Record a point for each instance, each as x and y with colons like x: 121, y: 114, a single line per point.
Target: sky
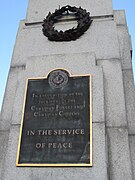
x: 12, y: 11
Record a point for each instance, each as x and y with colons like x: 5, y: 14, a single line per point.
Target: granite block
x: 101, y: 39
x: 10, y: 93
x: 119, y: 154
x: 130, y: 99
x: 38, y: 10
x: 114, y: 93
x: 132, y: 151
x: 125, y: 47
x: 3, y: 148
x: 120, y: 17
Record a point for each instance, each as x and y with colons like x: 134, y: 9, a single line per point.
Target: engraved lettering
x: 38, y: 145
x: 82, y: 131
x: 32, y: 108
x: 49, y: 132
x: 35, y: 114
x: 49, y: 145
x: 69, y: 131
x: 60, y: 146
x: 54, y: 145
x: 57, y: 107
x: 30, y: 132
x: 61, y: 113
x: 55, y: 132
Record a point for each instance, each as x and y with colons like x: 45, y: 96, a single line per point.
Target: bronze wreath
x: 83, y: 20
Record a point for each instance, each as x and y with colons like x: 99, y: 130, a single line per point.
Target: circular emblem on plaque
x: 80, y: 15
x: 58, y: 78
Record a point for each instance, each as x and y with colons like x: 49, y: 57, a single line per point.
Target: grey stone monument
x: 104, y: 52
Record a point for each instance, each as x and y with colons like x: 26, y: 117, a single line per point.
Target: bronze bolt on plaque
x: 56, y: 128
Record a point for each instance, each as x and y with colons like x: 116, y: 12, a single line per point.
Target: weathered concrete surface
x: 38, y: 9
x: 101, y: 38
x: 99, y: 161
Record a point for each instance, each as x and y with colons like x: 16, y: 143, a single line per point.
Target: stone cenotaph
x: 69, y: 105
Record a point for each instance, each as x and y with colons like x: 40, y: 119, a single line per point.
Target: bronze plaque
x: 56, y: 128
